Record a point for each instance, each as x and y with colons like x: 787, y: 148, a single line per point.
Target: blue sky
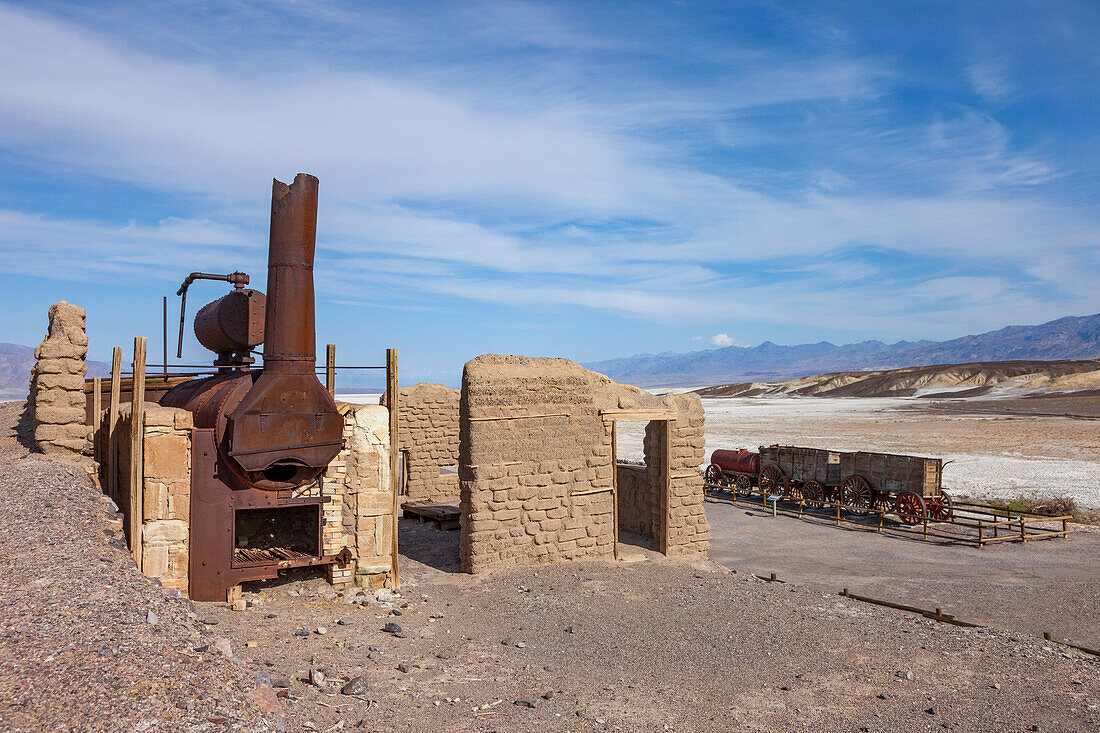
x: 586, y: 180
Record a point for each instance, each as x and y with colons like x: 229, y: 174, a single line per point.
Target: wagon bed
x: 889, y: 473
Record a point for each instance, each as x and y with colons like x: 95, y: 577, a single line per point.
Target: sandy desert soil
x: 996, y: 456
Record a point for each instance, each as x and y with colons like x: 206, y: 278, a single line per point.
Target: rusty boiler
x: 263, y: 436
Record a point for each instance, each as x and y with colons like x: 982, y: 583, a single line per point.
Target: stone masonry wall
x: 165, y: 478
x: 166, y: 498
x: 360, y: 518
x: 535, y: 463
x: 57, y: 402
x: 428, y: 429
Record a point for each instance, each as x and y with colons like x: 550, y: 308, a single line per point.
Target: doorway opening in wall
x: 641, y: 485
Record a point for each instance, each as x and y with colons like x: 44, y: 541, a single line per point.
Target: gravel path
x: 87, y: 643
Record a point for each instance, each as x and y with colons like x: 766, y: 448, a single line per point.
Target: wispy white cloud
x: 544, y: 183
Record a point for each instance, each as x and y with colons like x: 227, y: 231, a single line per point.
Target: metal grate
x: 272, y: 554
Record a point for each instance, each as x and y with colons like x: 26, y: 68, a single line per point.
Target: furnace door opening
x: 271, y: 535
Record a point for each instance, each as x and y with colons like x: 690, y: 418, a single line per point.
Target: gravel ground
x: 649, y: 645
x: 88, y: 643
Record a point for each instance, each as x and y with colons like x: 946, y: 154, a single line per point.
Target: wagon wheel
x: 883, y: 502
x: 771, y: 480
x: 792, y: 492
x: 713, y: 475
x: 744, y: 484
x: 855, y: 495
x: 813, y: 494
x: 910, y: 508
x: 940, y: 509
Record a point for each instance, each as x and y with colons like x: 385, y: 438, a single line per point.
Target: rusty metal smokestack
x: 290, y: 332
x: 286, y: 429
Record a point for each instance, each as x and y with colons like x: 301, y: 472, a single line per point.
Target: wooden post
x: 164, y: 324
x: 137, y: 424
x: 330, y: 369
x: 667, y: 488
x: 395, y: 445
x: 614, y: 489
x: 112, y: 424
x: 97, y: 422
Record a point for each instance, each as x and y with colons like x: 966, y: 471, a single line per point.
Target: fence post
x: 112, y: 425
x: 395, y: 445
x: 97, y: 423
x: 614, y: 488
x: 330, y: 369
x: 137, y: 436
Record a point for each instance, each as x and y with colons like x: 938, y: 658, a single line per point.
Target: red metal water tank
x: 737, y: 461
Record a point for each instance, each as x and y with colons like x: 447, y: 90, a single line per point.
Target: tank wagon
x: 860, y: 482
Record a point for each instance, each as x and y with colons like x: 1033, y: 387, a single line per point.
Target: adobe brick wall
x: 427, y: 426
x: 56, y: 404
x: 535, y: 467
x: 688, y: 530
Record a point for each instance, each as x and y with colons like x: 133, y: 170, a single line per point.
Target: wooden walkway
x: 445, y: 516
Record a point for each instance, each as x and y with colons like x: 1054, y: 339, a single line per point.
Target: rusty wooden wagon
x: 860, y: 482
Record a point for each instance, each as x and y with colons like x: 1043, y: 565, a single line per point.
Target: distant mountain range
x: 1074, y: 337
x: 15, y: 370
x: 976, y: 379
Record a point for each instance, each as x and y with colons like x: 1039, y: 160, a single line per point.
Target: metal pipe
x: 289, y: 321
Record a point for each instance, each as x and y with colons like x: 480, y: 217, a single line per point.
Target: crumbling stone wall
x: 166, y: 497
x: 57, y: 402
x: 535, y: 466
x: 360, y: 517
x: 427, y: 426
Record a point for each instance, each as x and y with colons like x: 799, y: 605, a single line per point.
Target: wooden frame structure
x: 611, y: 418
